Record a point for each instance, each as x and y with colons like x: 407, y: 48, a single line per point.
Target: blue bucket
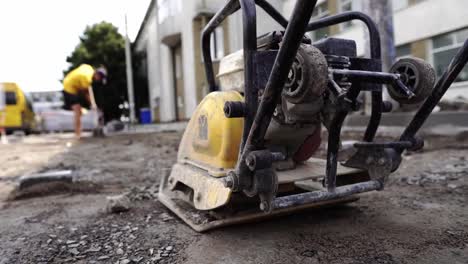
x: 145, y: 116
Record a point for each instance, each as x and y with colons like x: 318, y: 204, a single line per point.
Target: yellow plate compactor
x: 247, y: 151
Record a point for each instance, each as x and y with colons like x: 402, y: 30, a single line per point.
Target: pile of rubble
x: 144, y: 192
x: 121, y: 243
x: 449, y: 175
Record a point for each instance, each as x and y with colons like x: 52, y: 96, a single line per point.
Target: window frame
x: 11, y: 100
x: 409, y: 55
x: 453, y: 45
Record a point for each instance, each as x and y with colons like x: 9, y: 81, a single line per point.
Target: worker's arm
x: 92, y: 99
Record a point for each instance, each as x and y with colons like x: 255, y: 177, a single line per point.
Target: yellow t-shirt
x: 79, y: 79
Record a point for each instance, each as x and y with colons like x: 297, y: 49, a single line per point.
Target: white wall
x: 357, y: 33
x: 167, y: 85
x: 152, y: 53
x: 288, y: 6
x: 141, y: 44
x: 188, y: 61
x: 235, y: 27
x: 265, y: 23
x: 429, y: 18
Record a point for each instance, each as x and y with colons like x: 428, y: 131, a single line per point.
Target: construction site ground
x: 420, y: 216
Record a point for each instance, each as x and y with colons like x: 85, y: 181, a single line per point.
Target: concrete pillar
x: 167, y: 85
x: 419, y: 49
x: 235, y: 31
x: 382, y: 13
x: 153, y: 67
x: 188, y: 68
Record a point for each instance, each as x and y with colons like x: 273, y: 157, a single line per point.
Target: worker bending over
x: 78, y: 91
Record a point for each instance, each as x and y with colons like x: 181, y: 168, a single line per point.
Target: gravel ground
x: 420, y: 217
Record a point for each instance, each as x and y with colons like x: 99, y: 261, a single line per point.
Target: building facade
x: 170, y: 66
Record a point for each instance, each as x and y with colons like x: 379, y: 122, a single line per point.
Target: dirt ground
x: 420, y: 217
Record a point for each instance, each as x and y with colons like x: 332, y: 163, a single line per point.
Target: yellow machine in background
x: 17, y: 113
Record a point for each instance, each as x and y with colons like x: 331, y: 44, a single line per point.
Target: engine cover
x: 211, y: 140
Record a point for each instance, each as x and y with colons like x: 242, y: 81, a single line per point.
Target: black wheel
x: 308, y: 75
x: 417, y: 75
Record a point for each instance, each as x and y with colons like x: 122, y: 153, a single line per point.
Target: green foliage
x: 102, y: 44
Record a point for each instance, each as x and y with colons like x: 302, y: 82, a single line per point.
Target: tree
x: 102, y: 44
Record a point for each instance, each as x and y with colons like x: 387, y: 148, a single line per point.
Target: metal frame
x: 257, y: 115
x: 376, y: 112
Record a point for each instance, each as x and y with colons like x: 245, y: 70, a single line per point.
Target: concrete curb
x: 456, y: 119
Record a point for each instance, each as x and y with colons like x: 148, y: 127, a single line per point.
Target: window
x: 320, y: 11
x: 444, y: 48
x: 49, y: 98
x: 10, y: 98
x: 217, y: 43
x: 167, y: 8
x: 403, y: 51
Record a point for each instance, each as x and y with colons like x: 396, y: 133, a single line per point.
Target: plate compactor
x: 246, y: 152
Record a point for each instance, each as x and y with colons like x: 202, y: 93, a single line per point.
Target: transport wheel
x: 417, y: 75
x: 308, y: 75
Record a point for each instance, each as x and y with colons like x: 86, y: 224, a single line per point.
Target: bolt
x: 264, y: 206
x: 198, y: 197
x: 381, y: 161
x: 250, y: 162
x: 171, y: 180
x: 228, y: 182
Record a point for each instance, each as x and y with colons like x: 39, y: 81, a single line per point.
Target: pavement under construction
x: 420, y: 217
